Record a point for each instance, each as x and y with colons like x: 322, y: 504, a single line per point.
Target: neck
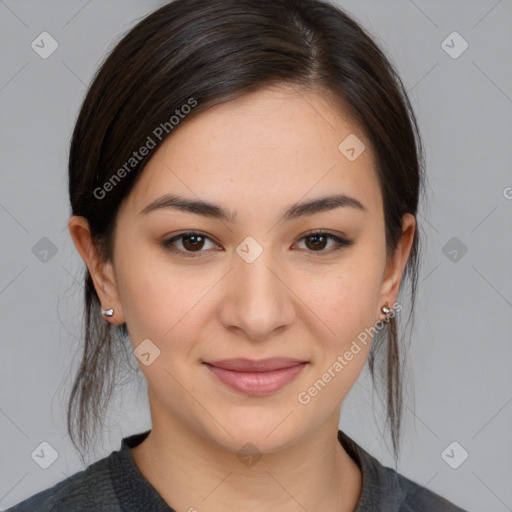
x: 190, y: 472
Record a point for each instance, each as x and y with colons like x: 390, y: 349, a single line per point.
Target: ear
x: 102, y: 271
x: 396, y: 263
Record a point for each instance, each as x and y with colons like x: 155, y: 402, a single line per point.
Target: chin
x: 267, y: 432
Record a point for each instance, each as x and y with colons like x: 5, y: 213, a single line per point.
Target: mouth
x: 256, y: 377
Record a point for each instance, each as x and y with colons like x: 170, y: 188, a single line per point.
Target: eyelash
x: 168, y: 244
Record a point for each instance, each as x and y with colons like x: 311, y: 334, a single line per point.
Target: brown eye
x: 317, y: 242
x: 191, y: 243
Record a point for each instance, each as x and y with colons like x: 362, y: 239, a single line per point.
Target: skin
x: 256, y: 156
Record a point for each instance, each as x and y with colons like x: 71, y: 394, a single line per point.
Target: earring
x: 107, y: 312
x: 387, y: 311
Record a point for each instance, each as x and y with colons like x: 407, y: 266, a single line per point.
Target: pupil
x: 316, y: 238
x: 193, y: 244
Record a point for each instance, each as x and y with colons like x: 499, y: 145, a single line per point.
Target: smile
x: 256, y: 378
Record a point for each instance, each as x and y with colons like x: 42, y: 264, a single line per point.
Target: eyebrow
x: 321, y: 204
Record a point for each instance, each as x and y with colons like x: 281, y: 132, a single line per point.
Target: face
x: 269, y: 280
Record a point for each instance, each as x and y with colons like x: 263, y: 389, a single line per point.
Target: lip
x: 256, y: 377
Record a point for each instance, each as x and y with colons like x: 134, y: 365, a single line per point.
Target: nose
x: 258, y: 300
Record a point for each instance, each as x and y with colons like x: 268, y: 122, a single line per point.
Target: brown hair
x: 214, y: 51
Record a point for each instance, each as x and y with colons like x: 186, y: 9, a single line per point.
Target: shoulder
x: 402, y: 494
x: 89, y: 489
x: 385, y: 489
x: 421, y: 499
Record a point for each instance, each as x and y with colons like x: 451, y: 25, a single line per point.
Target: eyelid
x: 168, y: 243
x: 340, y: 240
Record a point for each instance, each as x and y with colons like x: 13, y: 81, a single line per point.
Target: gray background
x: 460, y: 355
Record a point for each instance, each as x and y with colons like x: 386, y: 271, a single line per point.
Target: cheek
x: 347, y: 303
x: 345, y: 298
x: 159, y: 302
x: 162, y: 303
x: 148, y: 296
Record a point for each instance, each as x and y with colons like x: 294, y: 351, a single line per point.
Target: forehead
x: 273, y: 146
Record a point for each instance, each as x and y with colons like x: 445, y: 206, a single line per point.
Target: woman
x: 244, y: 180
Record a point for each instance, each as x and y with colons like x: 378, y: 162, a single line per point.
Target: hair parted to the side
x: 215, y: 51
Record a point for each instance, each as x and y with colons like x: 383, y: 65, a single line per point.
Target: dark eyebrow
x: 322, y: 204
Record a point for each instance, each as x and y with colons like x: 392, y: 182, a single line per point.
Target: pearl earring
x: 387, y: 311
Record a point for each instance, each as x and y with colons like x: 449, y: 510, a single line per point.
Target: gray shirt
x: 115, y: 484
